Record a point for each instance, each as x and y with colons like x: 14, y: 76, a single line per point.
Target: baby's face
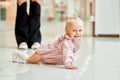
x: 74, y: 31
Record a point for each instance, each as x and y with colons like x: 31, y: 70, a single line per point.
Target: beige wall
x: 10, y: 7
x: 11, y: 13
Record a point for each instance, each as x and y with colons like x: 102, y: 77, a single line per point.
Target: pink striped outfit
x: 60, y: 51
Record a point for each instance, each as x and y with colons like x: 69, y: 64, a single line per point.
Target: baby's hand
x: 72, y: 67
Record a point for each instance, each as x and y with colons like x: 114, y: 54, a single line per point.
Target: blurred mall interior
x: 99, y: 56
x: 51, y: 12
x: 96, y: 18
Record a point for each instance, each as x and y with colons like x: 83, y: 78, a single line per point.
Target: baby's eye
x: 74, y: 30
x: 80, y: 30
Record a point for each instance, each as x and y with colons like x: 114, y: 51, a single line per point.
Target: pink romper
x: 60, y: 51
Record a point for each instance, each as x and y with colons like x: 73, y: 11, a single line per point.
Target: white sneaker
x: 19, y: 56
x: 23, y: 45
x: 35, y: 45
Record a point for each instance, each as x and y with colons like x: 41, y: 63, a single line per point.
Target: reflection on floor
x: 98, y: 59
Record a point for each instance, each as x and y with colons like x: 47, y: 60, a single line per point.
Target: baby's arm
x: 71, y: 66
x: 68, y: 56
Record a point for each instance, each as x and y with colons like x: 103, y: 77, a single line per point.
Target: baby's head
x: 74, y: 27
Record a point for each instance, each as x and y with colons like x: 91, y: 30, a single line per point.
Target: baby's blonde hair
x: 73, y: 20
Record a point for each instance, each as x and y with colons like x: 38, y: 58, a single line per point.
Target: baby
x: 61, y: 50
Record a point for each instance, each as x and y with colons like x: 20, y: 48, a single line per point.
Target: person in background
x: 60, y: 51
x: 27, y: 25
x: 62, y: 10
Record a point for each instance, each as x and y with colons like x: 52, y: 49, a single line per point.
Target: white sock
x: 22, y: 54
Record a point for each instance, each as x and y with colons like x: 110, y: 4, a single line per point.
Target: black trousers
x: 27, y: 26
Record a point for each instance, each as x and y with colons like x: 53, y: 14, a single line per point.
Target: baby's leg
x: 34, y: 58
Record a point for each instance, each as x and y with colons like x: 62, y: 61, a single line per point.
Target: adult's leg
x: 34, y: 22
x: 38, y: 1
x: 21, y: 26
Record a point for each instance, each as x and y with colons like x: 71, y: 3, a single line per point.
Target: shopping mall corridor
x: 97, y: 59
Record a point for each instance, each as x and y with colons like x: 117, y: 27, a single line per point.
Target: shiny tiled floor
x: 98, y: 59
